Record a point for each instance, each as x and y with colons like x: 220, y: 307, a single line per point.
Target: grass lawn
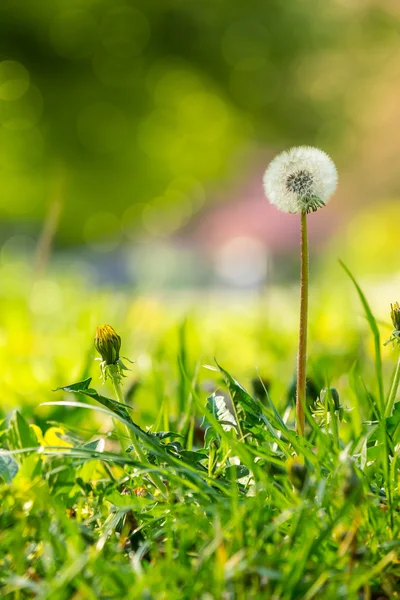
x: 196, y: 484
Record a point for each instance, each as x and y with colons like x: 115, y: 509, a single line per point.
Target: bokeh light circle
x: 117, y: 71
x: 242, y: 261
x: 125, y: 32
x: 22, y: 190
x: 46, y: 297
x: 102, y: 232
x: 14, y: 80
x: 102, y: 127
x: 74, y: 34
x: 244, y: 45
x: 24, y: 112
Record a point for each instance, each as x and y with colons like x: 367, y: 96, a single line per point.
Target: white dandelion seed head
x: 301, y: 179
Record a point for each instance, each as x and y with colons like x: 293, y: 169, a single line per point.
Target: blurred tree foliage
x: 132, y: 109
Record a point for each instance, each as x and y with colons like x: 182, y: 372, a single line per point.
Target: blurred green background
x: 133, y: 139
x: 138, y: 116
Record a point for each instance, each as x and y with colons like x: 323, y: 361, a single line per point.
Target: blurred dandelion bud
x: 394, y: 337
x: 395, y: 316
x: 297, y: 472
x: 261, y: 387
x: 301, y: 179
x: 351, y: 483
x: 330, y: 394
x: 108, y: 344
x: 328, y: 406
x: 312, y: 392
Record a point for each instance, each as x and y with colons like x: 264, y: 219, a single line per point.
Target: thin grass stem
x: 393, y: 391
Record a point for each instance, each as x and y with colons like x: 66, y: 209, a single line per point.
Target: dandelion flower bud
x: 108, y: 344
x: 330, y: 394
x: 297, y: 472
x: 395, y: 314
x: 301, y: 179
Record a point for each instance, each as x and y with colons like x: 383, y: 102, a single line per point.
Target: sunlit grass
x: 245, y: 508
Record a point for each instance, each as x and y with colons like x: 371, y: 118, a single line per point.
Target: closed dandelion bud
x: 352, y: 484
x: 312, y: 392
x: 297, y: 472
x: 108, y: 344
x: 395, y: 314
x: 260, y: 388
x: 394, y: 337
x: 330, y: 394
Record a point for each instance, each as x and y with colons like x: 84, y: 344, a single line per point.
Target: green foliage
x: 8, y: 467
x: 19, y: 433
x: 377, y: 340
x: 216, y: 405
x: 163, y: 97
x: 83, y: 387
x: 245, y: 508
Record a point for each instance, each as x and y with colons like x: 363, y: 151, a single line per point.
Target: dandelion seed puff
x: 301, y: 179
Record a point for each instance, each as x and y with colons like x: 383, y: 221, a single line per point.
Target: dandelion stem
x: 393, y: 391
x: 154, y: 478
x: 302, y: 353
x: 121, y: 399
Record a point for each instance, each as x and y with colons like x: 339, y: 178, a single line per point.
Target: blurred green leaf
x: 83, y: 387
x: 248, y: 410
x: 20, y: 434
x: 8, y: 466
x: 377, y: 341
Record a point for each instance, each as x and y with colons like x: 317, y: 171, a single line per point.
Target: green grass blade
x: 377, y: 340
